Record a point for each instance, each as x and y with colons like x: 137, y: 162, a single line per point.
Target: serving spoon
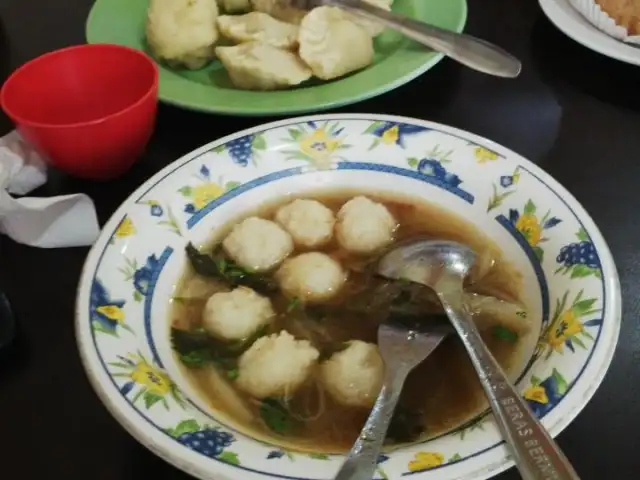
x: 473, y: 52
x: 443, y: 265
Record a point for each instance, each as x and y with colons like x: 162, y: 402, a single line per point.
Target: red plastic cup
x: 89, y: 110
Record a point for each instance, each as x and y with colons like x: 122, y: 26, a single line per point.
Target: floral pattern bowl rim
x: 132, y: 268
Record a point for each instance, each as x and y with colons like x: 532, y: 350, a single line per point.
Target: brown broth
x: 444, y: 388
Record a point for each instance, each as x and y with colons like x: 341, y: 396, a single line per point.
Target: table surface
x: 573, y: 112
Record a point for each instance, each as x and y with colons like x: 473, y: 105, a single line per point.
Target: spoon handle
x: 363, y: 459
x: 536, y: 454
x: 465, y: 49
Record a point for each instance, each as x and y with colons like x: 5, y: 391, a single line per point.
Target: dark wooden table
x: 572, y: 111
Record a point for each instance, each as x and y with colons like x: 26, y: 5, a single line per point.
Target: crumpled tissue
x: 63, y: 221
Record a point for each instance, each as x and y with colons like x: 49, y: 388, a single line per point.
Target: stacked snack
x: 273, y: 45
x: 618, y: 18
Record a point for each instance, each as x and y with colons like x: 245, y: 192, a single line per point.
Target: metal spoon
x: 473, y: 52
x: 403, y: 347
x: 443, y: 265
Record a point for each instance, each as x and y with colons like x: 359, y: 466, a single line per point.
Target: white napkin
x: 64, y: 221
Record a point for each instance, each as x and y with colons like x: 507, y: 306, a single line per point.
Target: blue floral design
x: 433, y: 168
x: 275, y: 454
x: 190, y: 208
x: 393, y: 132
x: 126, y: 388
x: 99, y: 299
x: 335, y: 132
x: 317, y: 143
x: 532, y: 227
x: 544, y: 395
x: 244, y: 150
x: 208, y: 441
x: 506, y: 181
x: 156, y: 209
x: 579, y: 259
x: 205, y: 191
x: 547, y: 223
x: 143, y: 276
x: 241, y: 150
x: 163, y: 215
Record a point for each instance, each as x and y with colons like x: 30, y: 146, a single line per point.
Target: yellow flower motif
x: 566, y: 326
x: 528, y: 225
x: 155, y: 381
x: 390, y: 136
x: 425, y: 461
x: 484, y: 155
x: 202, y: 195
x: 536, y: 394
x: 318, y: 145
x: 572, y: 323
x: 126, y: 228
x: 112, y: 312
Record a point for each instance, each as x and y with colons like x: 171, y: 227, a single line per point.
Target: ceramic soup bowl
x: 123, y: 302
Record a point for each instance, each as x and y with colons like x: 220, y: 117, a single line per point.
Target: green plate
x: 398, y: 60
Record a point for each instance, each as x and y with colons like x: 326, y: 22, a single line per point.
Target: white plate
x: 568, y: 20
x: 124, y: 294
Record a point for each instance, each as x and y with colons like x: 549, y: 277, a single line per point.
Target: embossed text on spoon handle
x: 362, y: 460
x: 536, y: 454
x: 465, y: 49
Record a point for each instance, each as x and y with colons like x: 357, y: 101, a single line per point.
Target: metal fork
x: 473, y: 52
x: 403, y: 346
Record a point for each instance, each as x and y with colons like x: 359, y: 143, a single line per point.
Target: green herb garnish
x: 293, y: 304
x: 188, y: 300
x: 221, y: 268
x: 505, y: 334
x: 194, y: 348
x: 276, y: 416
x: 228, y: 365
x: 196, y: 358
x: 197, y: 349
